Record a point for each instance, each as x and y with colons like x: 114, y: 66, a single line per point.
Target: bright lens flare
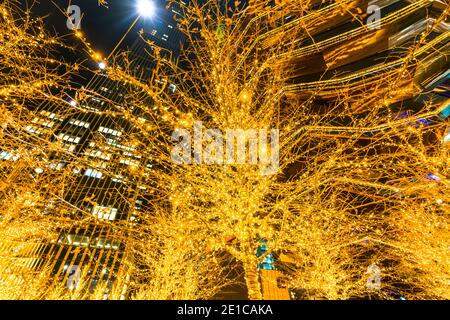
x: 146, y: 8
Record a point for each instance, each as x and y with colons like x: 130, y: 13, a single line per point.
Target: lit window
x: 93, y: 173
x: 33, y: 129
x: 76, y: 240
x: 69, y: 138
x: 118, y: 178
x: 104, y: 213
x: 48, y: 114
x: 86, y: 107
x: 69, y: 147
x: 129, y: 162
x: 112, y: 142
x: 57, y: 166
x: 43, y: 122
x: 79, y: 123
x: 110, y: 131
x: 98, y: 154
x: 115, y: 143
x: 107, y: 244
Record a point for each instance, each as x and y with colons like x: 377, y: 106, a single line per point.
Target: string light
x: 353, y: 188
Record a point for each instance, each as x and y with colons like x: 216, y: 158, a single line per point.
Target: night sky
x: 103, y: 27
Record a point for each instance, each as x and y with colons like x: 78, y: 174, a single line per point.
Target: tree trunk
x: 252, y: 280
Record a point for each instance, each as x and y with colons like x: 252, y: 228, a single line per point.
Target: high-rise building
x: 102, y: 184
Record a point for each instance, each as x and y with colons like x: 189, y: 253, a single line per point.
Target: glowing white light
x: 38, y: 170
x: 102, y: 65
x: 73, y: 103
x: 447, y: 136
x: 146, y: 8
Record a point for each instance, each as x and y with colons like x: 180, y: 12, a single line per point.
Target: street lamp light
x: 146, y: 8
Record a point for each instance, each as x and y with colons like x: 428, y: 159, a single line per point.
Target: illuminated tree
x: 29, y: 75
x: 172, y: 261
x: 355, y: 184
x: 332, y: 177
x: 416, y: 229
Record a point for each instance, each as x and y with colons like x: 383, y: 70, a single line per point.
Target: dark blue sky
x: 103, y: 27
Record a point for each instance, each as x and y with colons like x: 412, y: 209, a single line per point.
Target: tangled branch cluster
x: 358, y: 183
